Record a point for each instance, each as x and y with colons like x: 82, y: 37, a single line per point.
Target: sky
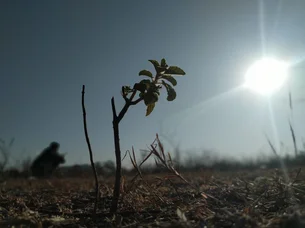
x: 49, y: 49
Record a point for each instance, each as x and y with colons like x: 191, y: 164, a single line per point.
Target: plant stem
x: 116, y: 135
x: 118, y: 172
x: 90, y: 152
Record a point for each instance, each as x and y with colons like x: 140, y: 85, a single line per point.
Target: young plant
x: 148, y: 91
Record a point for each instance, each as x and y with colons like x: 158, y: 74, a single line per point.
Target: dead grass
x: 257, y: 199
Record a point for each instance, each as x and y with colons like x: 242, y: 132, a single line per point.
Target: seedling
x: 148, y: 91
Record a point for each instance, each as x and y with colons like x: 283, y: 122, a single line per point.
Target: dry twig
x: 90, y: 152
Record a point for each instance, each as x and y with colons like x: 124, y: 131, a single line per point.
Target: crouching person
x: 48, y: 160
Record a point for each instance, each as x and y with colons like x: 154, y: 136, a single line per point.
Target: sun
x: 266, y: 76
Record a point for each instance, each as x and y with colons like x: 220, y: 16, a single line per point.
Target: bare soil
x: 262, y: 198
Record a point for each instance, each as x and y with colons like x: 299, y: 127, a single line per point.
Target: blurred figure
x: 49, y: 159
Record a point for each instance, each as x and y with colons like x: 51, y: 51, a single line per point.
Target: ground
x: 261, y: 198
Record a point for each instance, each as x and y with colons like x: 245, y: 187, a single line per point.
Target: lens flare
x: 266, y: 76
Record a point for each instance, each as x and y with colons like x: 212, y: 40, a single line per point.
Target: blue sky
x: 49, y: 49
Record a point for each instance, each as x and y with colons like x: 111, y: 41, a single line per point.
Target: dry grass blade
x: 136, y: 167
x: 155, y: 152
x: 293, y: 138
x: 132, y: 161
x: 156, y: 163
x: 290, y: 101
x: 161, y: 148
x: 170, y: 160
x: 290, y: 125
x: 167, y: 163
x: 145, y: 159
x: 125, y: 155
x: 134, y: 157
x: 271, y: 146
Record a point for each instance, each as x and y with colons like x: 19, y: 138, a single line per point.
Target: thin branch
x: 125, y: 108
x: 125, y: 97
x: 132, y: 95
x: 113, y: 108
x: 90, y: 152
x: 122, y: 112
x: 136, y: 101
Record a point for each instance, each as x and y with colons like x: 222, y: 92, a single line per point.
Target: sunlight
x: 266, y: 76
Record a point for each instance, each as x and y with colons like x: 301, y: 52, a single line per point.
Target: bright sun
x: 266, y: 76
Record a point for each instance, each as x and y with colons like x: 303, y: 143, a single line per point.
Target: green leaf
x: 154, y: 62
x: 155, y: 96
x: 147, y: 99
x: 156, y: 65
x: 146, y: 82
x: 150, y: 108
x: 170, y: 79
x: 174, y: 70
x: 150, y: 97
x: 153, y: 88
x: 161, y: 69
x: 145, y: 73
x: 171, y: 93
x: 163, y: 63
x: 126, y: 90
x: 140, y: 87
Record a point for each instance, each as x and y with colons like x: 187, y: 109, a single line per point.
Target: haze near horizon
x: 50, y: 49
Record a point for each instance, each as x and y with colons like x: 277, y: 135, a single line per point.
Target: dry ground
x: 261, y: 198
